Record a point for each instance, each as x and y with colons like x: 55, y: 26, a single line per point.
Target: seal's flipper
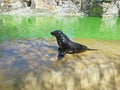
x: 61, y: 55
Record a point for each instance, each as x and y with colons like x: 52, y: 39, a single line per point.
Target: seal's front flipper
x: 61, y: 55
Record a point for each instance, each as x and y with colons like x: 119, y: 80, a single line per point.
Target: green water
x: 21, y: 27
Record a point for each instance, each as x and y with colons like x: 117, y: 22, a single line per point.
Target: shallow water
x: 28, y: 54
x: 21, y: 27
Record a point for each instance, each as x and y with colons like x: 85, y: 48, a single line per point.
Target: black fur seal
x: 66, y: 46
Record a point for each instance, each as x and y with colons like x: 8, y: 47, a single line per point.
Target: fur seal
x: 66, y: 46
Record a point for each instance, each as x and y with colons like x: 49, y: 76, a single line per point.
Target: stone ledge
x: 32, y: 64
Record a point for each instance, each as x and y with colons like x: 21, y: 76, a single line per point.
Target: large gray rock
x: 68, y: 8
x: 110, y: 9
x: 8, y: 5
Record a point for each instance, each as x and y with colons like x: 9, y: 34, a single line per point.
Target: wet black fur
x: 66, y: 46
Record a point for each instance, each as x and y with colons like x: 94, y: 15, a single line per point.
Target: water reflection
x: 40, y: 26
x: 109, y: 24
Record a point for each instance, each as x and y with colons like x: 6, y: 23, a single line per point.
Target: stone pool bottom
x: 33, y: 65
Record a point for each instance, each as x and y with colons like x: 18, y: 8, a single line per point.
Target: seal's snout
x: 55, y: 33
x: 51, y: 33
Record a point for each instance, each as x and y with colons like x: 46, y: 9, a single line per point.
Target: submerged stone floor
x: 33, y: 65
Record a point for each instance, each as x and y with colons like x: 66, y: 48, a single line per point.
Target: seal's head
x: 56, y: 33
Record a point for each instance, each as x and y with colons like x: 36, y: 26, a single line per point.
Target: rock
x: 50, y: 7
x: 118, y: 4
x: 65, y: 7
x: 32, y: 64
x: 110, y: 10
x: 8, y: 5
x: 16, y: 5
x: 68, y: 8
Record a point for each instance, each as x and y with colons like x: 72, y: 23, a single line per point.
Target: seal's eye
x: 58, y: 33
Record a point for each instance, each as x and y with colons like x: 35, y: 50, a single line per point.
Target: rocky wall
x: 66, y: 7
